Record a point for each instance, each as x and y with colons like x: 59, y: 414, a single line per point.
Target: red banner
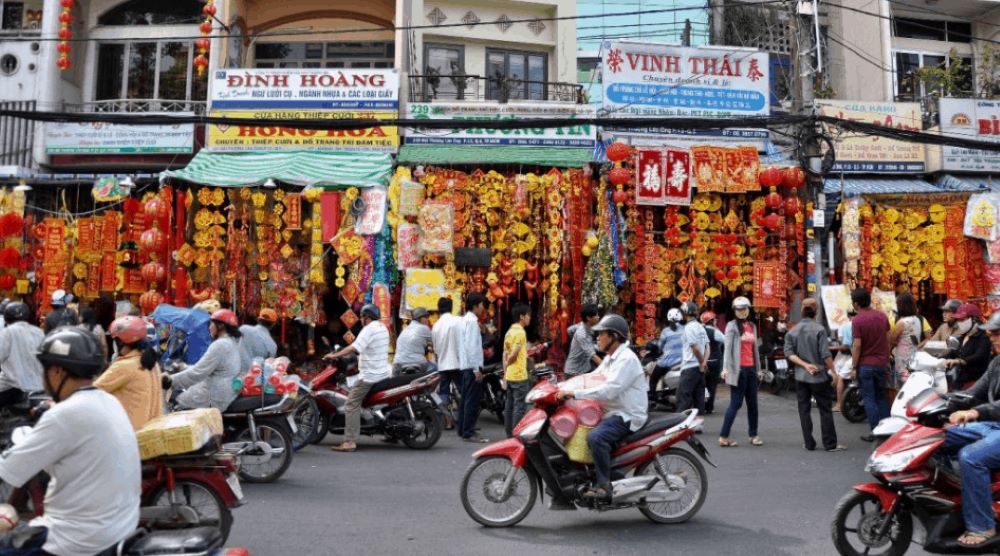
x: 649, y: 178
x: 769, y: 284
x: 134, y: 282
x: 678, y: 182
x: 112, y: 222
x: 733, y: 174
x: 93, y: 279
x: 293, y: 214
x: 109, y: 275
x: 751, y: 168
x: 330, y: 208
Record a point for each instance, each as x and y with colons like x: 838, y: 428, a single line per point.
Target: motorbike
x: 926, y: 372
x: 494, y: 397
x: 259, y: 429
x: 910, y: 483
x: 782, y: 378
x: 549, y: 452
x: 665, y: 395
x: 853, y: 406
x: 399, y: 408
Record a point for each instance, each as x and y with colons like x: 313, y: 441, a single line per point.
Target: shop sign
x: 970, y: 119
x: 104, y: 138
x: 860, y: 153
x: 305, y: 89
x: 642, y: 79
x: 583, y: 135
x: 663, y: 177
x: 263, y: 137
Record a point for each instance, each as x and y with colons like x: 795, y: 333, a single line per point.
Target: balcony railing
x: 17, y: 135
x: 429, y: 88
x: 140, y: 105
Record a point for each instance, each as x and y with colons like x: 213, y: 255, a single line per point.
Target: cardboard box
x: 179, y: 433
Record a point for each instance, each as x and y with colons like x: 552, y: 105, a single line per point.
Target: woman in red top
x: 741, y: 369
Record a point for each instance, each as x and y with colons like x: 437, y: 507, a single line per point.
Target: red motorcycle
x: 399, y: 408
x: 549, y: 450
x: 877, y: 518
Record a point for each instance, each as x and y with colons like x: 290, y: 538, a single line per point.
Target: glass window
x: 314, y: 50
x: 959, y: 31
x: 906, y: 67
x: 322, y: 54
x: 919, y: 29
x: 442, y: 63
x: 515, y: 75
x: 965, y: 80
x: 536, y: 74
x: 153, y: 12
x: 142, y: 70
x: 110, y: 69
x: 174, y: 70
x: 13, y: 15
x: 199, y: 86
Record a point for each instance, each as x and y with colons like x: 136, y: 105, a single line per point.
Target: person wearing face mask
x: 973, y: 356
x: 209, y: 382
x: 947, y: 328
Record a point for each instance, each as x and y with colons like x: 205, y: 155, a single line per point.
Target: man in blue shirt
x: 694, y: 361
x: 671, y: 348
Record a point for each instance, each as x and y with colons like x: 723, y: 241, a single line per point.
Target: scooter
x: 549, y: 451
x: 494, y: 397
x: 926, y: 372
x: 259, y: 429
x: 399, y: 408
x: 878, y: 516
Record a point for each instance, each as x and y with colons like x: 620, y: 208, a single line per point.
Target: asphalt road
x: 776, y: 499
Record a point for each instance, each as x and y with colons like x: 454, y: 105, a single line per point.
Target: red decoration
x: 11, y: 224
x: 769, y: 177
x: 720, y: 275
x: 617, y: 151
x: 153, y: 240
x: 206, y: 27
x: 68, y: 4
x: 200, y: 62
x: 208, y: 9
x: 66, y: 17
x: 772, y: 221
x: 620, y: 197
x: 733, y: 274
x: 10, y: 257
x: 149, y: 301
x: 63, y: 63
x: 619, y: 176
x: 773, y: 199
x: 65, y: 34
x: 202, y: 44
x: 64, y: 48
x: 792, y: 205
x: 7, y: 282
x: 793, y: 177
x: 154, y: 273
x: 156, y: 209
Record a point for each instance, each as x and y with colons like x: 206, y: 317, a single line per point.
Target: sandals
x: 756, y: 441
x: 976, y: 538
x: 726, y: 443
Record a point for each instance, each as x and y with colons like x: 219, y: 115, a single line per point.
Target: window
x: 374, y: 54
x: 153, y: 12
x: 515, y: 75
x: 148, y: 70
x: 13, y: 14
x: 932, y: 30
x: 444, y: 72
x: 910, y: 87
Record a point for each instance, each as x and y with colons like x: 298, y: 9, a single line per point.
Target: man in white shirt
x: 623, y: 393
x: 87, y: 445
x: 694, y: 361
x: 372, y: 347
x: 472, y: 367
x: 412, y: 343
x: 448, y: 348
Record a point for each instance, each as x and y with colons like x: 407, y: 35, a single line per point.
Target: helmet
x: 4, y: 304
x: 371, y: 311
x: 225, y: 316
x: 16, y: 311
x: 674, y: 315
x: 993, y: 324
x: 741, y: 303
x: 74, y: 349
x: 951, y: 306
x: 707, y: 317
x: 60, y: 298
x: 419, y: 313
x: 128, y: 329
x: 689, y: 308
x: 613, y: 323
x: 270, y: 315
x: 967, y: 310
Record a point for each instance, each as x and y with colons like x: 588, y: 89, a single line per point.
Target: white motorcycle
x: 926, y: 372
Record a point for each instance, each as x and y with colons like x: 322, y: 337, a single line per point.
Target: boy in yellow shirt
x: 515, y: 360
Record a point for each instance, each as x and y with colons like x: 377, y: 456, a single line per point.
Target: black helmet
x: 371, y: 311
x: 613, y: 323
x: 73, y: 349
x: 993, y: 324
x: 16, y: 311
x: 689, y: 308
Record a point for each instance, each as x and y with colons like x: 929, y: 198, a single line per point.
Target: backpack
x: 714, y: 346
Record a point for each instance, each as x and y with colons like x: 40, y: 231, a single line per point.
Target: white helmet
x: 60, y: 298
x: 674, y: 315
x: 741, y: 303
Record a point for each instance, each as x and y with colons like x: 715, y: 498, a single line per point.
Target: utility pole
x: 686, y: 36
x: 718, y: 35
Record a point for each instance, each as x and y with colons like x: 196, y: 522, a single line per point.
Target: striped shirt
x: 372, y: 344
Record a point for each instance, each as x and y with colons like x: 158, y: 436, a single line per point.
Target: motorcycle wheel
x: 431, y: 431
x: 482, y: 497
x: 205, y: 502
x: 307, y: 422
x: 277, y: 436
x: 323, y: 428
x: 682, y: 463
x: 777, y: 385
x: 853, y: 408
x: 863, y: 525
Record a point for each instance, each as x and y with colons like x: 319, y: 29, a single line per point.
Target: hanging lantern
x: 773, y: 199
x: 149, y: 301
x: 7, y: 282
x: 733, y: 274
x: 154, y: 273
x: 720, y: 275
x: 769, y: 177
x: 619, y: 176
x: 617, y: 151
x: 156, y: 209
x: 10, y: 257
x: 792, y: 205
x: 202, y: 45
x: 620, y: 197
x: 772, y: 221
x: 793, y: 177
x: 65, y: 33
x: 11, y: 224
x: 153, y: 240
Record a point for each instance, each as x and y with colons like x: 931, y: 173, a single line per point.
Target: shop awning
x: 559, y: 157
x: 318, y: 168
x: 852, y: 187
x: 949, y: 182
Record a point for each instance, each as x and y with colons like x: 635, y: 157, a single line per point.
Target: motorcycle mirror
x: 954, y: 343
x: 19, y: 434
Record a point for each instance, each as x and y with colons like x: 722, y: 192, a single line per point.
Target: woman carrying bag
x: 742, y: 371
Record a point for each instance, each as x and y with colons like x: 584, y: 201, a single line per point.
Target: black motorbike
x: 853, y: 406
x: 494, y: 397
x: 260, y: 429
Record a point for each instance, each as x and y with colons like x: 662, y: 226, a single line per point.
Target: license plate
x: 291, y: 424
x: 234, y: 484
x: 781, y: 364
x: 436, y: 398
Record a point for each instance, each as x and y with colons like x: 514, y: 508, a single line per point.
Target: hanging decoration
x: 65, y: 34
x: 203, y: 44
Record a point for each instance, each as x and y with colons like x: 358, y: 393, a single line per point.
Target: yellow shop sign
x: 265, y: 137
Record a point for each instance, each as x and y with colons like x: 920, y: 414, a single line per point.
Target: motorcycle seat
x: 654, y: 426
x: 192, y: 540
x: 244, y: 404
x: 395, y: 382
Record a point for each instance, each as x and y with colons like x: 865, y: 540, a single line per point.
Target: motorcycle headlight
x: 897, y: 461
x: 530, y: 432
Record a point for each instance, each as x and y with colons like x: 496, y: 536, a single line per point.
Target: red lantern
x: 65, y: 34
x: 793, y: 177
x: 205, y: 27
x: 10, y: 257
x: 208, y: 9
x: 769, y: 177
x: 149, y: 301
x: 63, y: 63
x: 153, y: 240
x: 66, y: 17
x: 64, y: 48
x: 773, y: 221
x: 620, y: 197
x: 154, y: 273
x: 732, y: 262
x: 733, y: 274
x: 619, y: 176
x: 719, y: 251
x: 202, y: 44
x: 773, y: 199
x: 11, y: 224
x: 200, y: 61
x: 720, y: 275
x: 68, y: 4
x: 760, y: 233
x: 7, y: 282
x: 731, y: 249
x: 617, y: 151
x: 156, y: 209
x: 792, y: 205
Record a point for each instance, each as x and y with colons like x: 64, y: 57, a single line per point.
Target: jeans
x: 516, y: 406
x: 978, y: 447
x: 602, y: 440
x: 352, y: 417
x: 824, y: 394
x: 711, y: 383
x: 871, y: 381
x: 691, y: 390
x: 24, y: 540
x: 746, y: 388
x: 468, y: 412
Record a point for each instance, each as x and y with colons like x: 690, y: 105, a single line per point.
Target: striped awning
x: 852, y: 187
x: 949, y: 182
x: 559, y: 157
x: 316, y: 168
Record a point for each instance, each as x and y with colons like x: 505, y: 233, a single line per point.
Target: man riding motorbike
x: 413, y: 343
x: 209, y: 382
x: 623, y: 393
x: 19, y: 340
x: 977, y: 443
x: 87, y: 446
x: 256, y: 341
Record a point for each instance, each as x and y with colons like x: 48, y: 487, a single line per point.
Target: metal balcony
x: 430, y: 88
x: 139, y: 106
x: 17, y: 135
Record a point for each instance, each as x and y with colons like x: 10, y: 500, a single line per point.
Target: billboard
x: 859, y: 153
